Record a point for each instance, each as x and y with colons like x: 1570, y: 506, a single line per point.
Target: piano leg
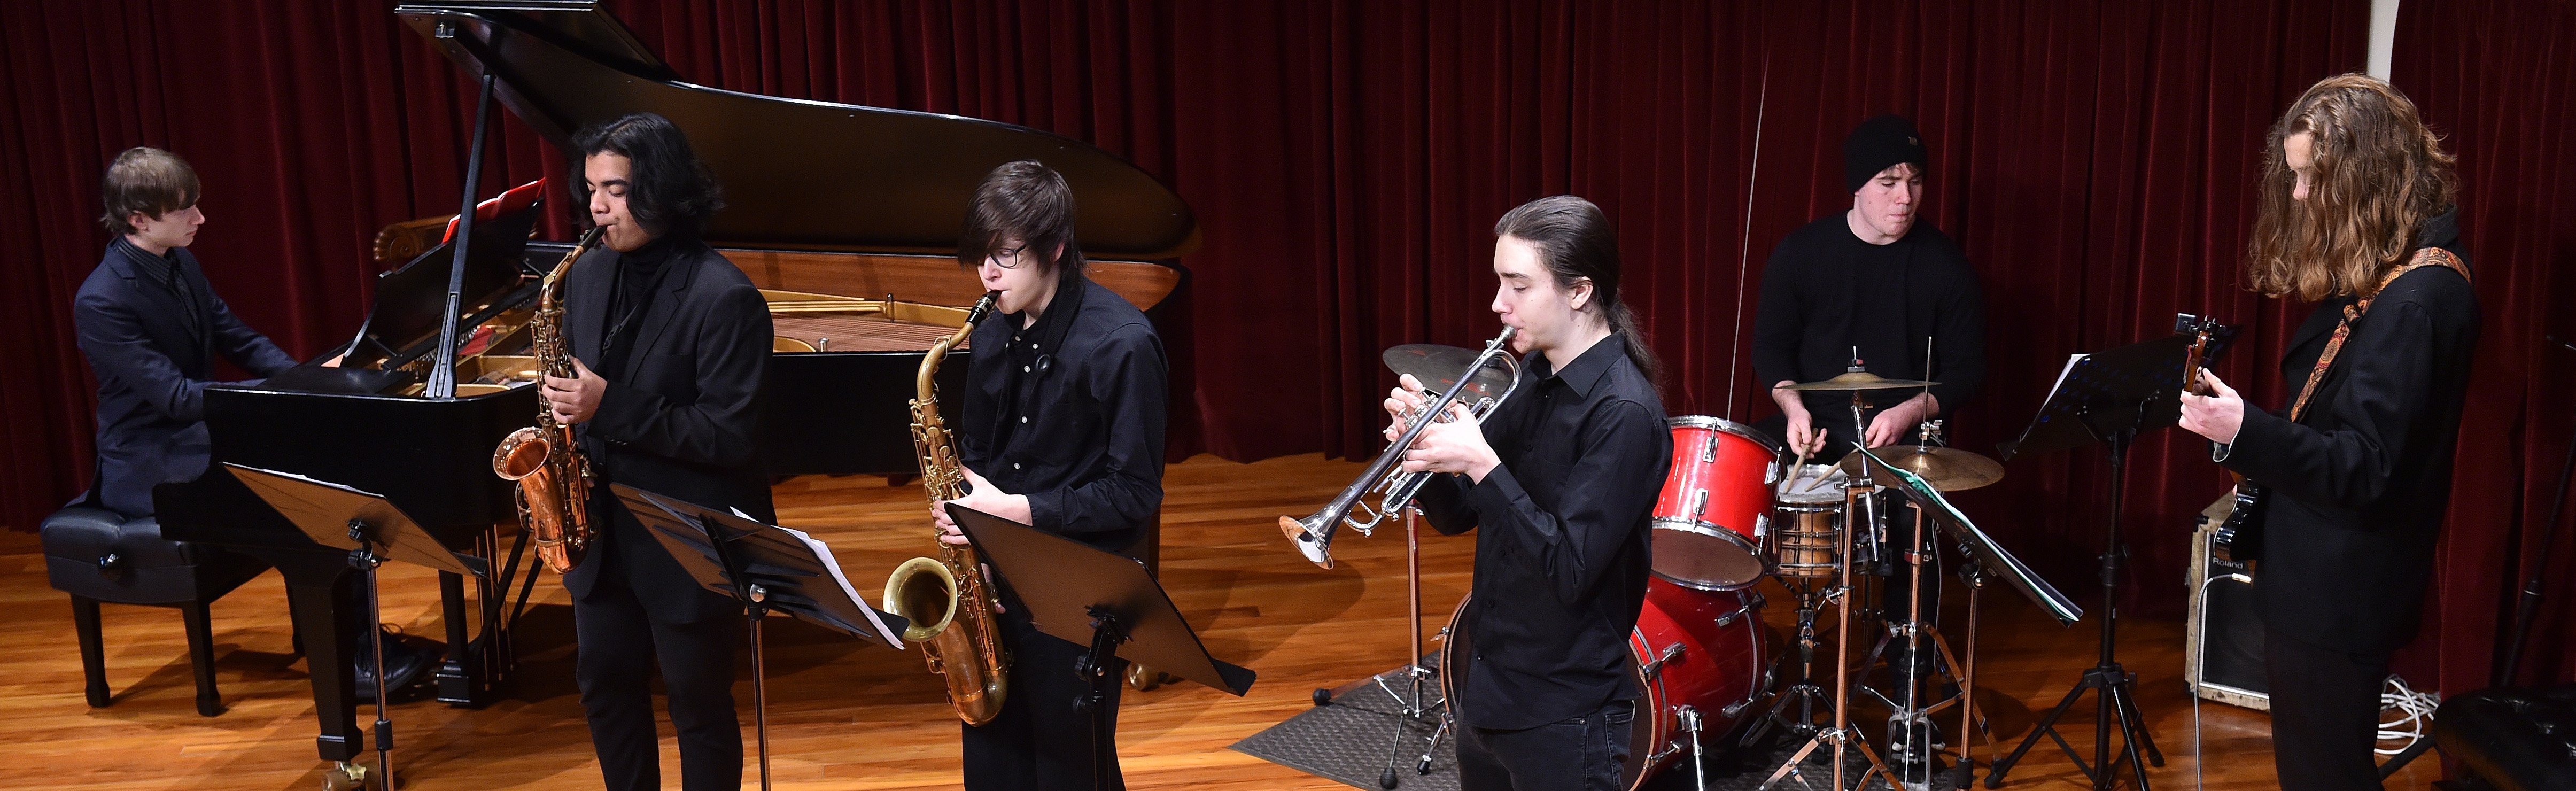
x: 322, y: 598
x: 478, y: 653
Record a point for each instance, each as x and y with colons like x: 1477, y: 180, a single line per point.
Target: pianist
x: 669, y: 342
x: 151, y: 327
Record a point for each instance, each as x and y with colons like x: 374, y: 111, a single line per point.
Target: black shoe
x: 408, y: 657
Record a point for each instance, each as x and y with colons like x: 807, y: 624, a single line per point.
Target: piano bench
x: 98, y: 556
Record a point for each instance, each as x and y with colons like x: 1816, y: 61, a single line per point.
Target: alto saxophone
x: 945, y: 598
x: 554, y: 477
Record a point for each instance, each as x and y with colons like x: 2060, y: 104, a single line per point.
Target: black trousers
x: 1040, y: 741
x: 620, y: 644
x: 2325, y: 714
x: 1582, y: 752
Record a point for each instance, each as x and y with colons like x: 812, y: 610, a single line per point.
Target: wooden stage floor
x: 846, y: 716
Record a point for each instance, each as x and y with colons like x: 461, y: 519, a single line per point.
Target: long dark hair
x: 2379, y: 173
x: 1575, y: 241
x: 668, y: 190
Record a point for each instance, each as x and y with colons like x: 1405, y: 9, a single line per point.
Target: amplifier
x: 2223, y: 655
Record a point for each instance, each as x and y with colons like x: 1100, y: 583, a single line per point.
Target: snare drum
x: 1715, y: 504
x: 1701, y: 649
x: 1807, y: 533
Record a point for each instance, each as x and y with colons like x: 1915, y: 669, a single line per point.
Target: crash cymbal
x: 1946, y: 469
x: 1438, y: 366
x: 1859, y: 380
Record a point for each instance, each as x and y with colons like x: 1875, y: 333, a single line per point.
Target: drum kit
x: 1735, y: 508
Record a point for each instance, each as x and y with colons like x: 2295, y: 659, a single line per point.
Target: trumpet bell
x: 1303, y: 533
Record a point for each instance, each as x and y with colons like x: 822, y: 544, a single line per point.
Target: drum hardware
x: 1910, y: 722
x: 1841, y: 737
x: 1670, y: 654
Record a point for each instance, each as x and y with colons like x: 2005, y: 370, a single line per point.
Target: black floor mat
x: 1348, y: 742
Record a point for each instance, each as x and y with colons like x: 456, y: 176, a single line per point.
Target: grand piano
x: 846, y: 216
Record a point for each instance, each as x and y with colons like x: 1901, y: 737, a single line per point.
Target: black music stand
x: 373, y: 531
x: 766, y: 567
x: 1100, y: 599
x: 2109, y: 397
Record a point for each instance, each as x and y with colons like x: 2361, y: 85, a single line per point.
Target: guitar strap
x: 2429, y: 256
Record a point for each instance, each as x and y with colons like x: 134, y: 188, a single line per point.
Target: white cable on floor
x: 2414, y: 715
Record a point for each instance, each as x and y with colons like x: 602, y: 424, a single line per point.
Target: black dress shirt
x: 1826, y: 291
x: 1069, y: 411
x: 1562, y: 557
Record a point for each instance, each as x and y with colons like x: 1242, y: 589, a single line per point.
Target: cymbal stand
x: 1410, y: 707
x: 1804, y: 694
x: 1841, y: 736
x: 1969, y: 717
x: 1920, y: 635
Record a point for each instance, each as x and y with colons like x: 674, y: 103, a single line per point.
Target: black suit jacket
x: 2360, y: 482
x: 152, y: 373
x: 677, y: 418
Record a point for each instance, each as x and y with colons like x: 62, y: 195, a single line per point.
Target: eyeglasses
x: 1006, y: 257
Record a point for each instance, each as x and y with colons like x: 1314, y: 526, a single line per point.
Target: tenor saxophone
x: 553, y: 476
x: 945, y: 598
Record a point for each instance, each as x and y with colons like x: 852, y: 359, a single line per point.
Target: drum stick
x: 1794, y: 470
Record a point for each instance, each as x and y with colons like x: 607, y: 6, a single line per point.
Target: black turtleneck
x: 639, y: 274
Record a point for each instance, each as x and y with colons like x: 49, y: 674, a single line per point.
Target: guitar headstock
x: 2208, y: 339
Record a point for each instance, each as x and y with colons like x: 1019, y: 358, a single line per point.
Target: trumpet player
x: 1560, y: 485
x: 669, y: 342
x: 1063, y: 431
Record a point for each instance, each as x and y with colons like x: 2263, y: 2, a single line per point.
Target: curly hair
x: 669, y: 190
x: 2377, y: 173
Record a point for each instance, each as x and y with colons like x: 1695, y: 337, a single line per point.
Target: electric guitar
x: 2240, y: 538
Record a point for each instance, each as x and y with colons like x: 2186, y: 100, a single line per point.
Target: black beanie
x: 1878, y: 144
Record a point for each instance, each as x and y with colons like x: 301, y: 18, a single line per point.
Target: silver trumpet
x: 1313, y: 535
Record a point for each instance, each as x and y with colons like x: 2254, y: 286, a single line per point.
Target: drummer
x: 1874, y: 279
x: 1872, y: 283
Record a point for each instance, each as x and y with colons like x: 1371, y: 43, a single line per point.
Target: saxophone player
x: 669, y: 342
x: 1062, y: 430
x: 1560, y: 493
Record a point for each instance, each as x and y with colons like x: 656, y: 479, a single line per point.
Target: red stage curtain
x: 1347, y: 161
x: 2498, y: 79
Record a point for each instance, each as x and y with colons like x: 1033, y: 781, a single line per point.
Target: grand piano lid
x: 797, y: 174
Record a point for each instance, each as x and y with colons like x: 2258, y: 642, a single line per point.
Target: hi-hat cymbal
x: 1859, y: 380
x: 1438, y: 366
x: 1946, y: 469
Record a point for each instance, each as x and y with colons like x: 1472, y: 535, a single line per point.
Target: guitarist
x: 2356, y: 216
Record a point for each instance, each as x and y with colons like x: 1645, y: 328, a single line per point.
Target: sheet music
x: 824, y: 551
x: 2071, y: 360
